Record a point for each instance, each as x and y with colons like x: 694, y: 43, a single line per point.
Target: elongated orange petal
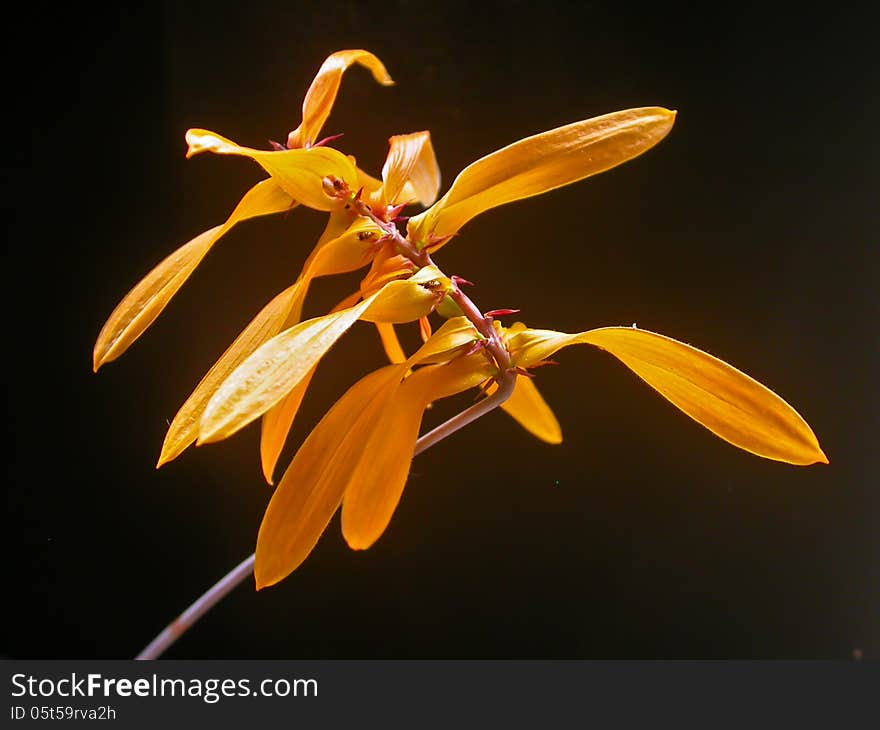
x: 726, y: 401
x: 322, y: 93
x: 411, y: 171
x: 185, y: 427
x: 312, y: 487
x: 540, y: 163
x: 300, y: 172
x: 390, y: 343
x: 140, y: 307
x: 276, y: 424
x: 274, y: 369
x: 376, y: 484
x: 528, y: 408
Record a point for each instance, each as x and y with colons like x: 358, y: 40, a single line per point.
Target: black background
x: 751, y: 231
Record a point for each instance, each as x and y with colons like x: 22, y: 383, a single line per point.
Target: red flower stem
x: 506, y: 379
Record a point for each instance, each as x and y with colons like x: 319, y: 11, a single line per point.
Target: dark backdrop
x: 751, y: 231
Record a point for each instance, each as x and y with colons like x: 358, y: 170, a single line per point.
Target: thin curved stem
x: 240, y: 572
x: 199, y: 608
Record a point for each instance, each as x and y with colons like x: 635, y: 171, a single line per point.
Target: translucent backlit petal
x: 411, y: 171
x: 140, y: 307
x: 300, y: 172
x: 312, y: 487
x: 726, y: 401
x: 271, y: 372
x: 528, y: 407
x: 376, y: 484
x: 322, y: 93
x: 390, y: 343
x: 184, y: 428
x: 540, y: 163
x: 276, y: 425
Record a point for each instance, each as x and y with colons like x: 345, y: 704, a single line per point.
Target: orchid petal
x: 728, y: 402
x: 322, y: 93
x: 143, y: 304
x: 274, y: 369
x: 184, y: 429
x: 540, y: 163
x: 411, y: 169
x: 300, y: 172
x: 312, y: 487
x: 390, y: 343
x: 528, y: 408
x: 276, y: 425
x: 376, y: 484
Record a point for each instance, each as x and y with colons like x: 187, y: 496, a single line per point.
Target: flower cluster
x: 359, y: 454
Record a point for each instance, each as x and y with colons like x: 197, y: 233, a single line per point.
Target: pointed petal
x: 390, y: 343
x: 540, y: 163
x: 411, y: 171
x: 312, y: 487
x: 185, y: 426
x: 377, y: 483
x: 271, y: 372
x: 140, y: 307
x: 277, y: 423
x: 528, y: 408
x: 322, y: 93
x: 300, y: 172
x: 274, y: 369
x: 726, y: 401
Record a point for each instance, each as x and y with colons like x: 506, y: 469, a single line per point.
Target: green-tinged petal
x: 300, y: 172
x: 376, y: 483
x: 540, y: 163
x: 312, y: 487
x: 726, y: 401
x: 411, y: 171
x: 322, y: 93
x: 184, y: 428
x: 271, y: 372
x: 140, y: 307
x: 528, y: 408
x: 276, y: 425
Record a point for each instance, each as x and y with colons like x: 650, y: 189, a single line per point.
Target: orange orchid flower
x: 359, y: 454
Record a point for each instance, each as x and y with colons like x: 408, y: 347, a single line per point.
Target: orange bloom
x: 358, y: 456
